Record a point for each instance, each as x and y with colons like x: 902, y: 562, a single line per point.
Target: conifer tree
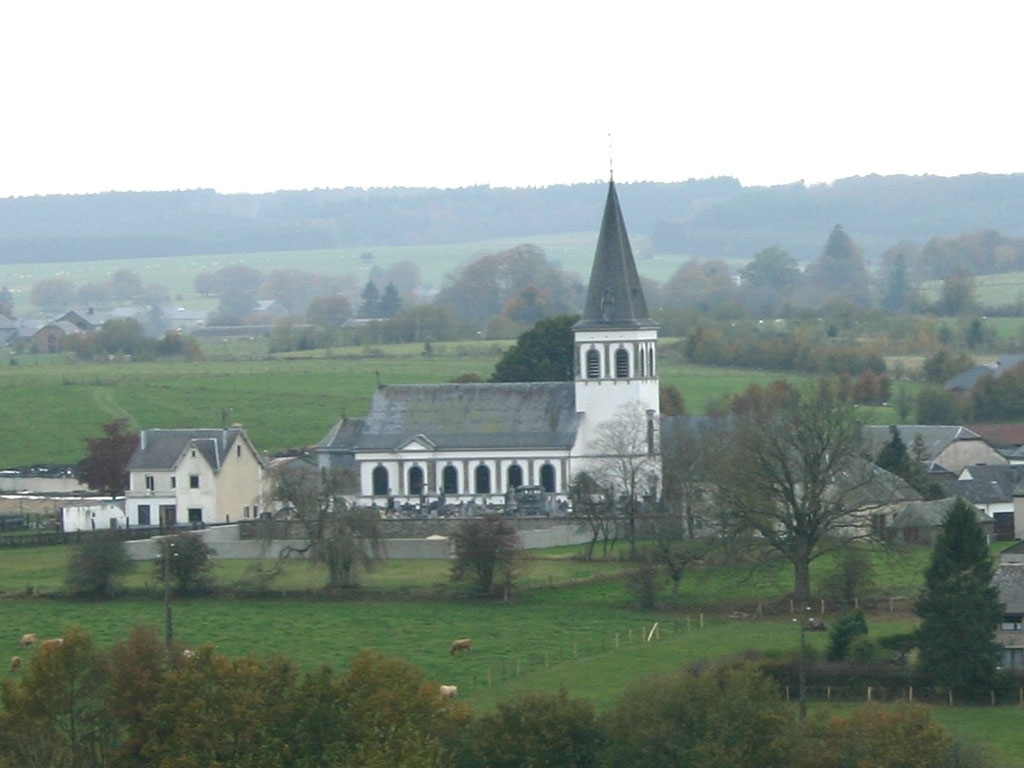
x: 959, y: 607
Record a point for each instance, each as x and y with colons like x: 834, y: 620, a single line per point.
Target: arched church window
x: 621, y: 364
x: 381, y: 482
x: 515, y: 476
x: 593, y: 364
x: 650, y: 361
x: 547, y: 477
x: 641, y: 360
x: 416, y: 481
x: 450, y: 479
x: 482, y: 477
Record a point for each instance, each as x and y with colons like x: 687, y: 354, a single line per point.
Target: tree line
x: 700, y: 218
x: 76, y: 705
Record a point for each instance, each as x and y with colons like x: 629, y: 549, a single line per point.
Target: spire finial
x: 611, y: 159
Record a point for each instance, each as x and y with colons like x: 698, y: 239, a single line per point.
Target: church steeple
x: 614, y: 296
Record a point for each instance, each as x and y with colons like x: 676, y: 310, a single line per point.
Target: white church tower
x: 616, y: 342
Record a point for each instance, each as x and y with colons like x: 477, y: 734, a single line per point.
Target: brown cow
x: 16, y: 664
x: 28, y: 640
x: 52, y: 643
x: 463, y: 644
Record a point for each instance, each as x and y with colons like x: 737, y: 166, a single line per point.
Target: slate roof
x: 1009, y: 580
x: 966, y: 380
x: 929, y: 514
x: 935, y: 438
x: 160, y: 449
x: 1001, y: 479
x: 534, y: 415
x: 614, y: 295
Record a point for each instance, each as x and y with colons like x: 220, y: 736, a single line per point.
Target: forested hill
x: 699, y: 218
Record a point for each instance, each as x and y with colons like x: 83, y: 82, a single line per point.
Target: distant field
x: 572, y: 252
x: 52, y: 403
x: 991, y: 290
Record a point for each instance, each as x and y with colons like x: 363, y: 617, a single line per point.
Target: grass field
x: 52, y: 403
x: 571, y: 625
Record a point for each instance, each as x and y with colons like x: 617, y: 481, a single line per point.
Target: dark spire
x: 614, y: 296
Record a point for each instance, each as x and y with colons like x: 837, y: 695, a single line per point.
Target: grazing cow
x: 463, y: 644
x: 449, y: 691
x: 52, y: 643
x: 188, y: 653
x: 16, y: 664
x: 28, y: 640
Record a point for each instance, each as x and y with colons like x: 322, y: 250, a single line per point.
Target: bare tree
x: 596, y: 508
x: 625, y: 459
x: 794, y: 477
x: 342, y: 537
x: 489, y: 549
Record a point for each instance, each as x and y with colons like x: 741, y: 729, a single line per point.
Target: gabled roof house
x: 949, y: 447
x: 194, y: 477
x: 477, y: 443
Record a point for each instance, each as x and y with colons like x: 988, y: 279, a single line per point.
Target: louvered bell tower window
x: 593, y: 364
x: 621, y: 364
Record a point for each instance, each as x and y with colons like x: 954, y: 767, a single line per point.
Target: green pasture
x: 52, y: 403
x: 992, y: 290
x: 571, y: 624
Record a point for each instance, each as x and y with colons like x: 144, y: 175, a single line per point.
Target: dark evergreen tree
x: 839, y: 270
x: 894, y: 455
x: 390, y: 303
x: 371, y: 301
x: 959, y: 607
x: 897, y: 290
x: 543, y: 353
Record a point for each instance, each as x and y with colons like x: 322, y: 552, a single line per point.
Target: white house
x: 193, y: 477
x: 478, y: 442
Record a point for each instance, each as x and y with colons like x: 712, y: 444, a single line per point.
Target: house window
x: 238, y: 451
x: 149, y: 483
x: 482, y: 477
x: 245, y: 511
x: 515, y: 476
x: 450, y: 479
x: 144, y: 518
x: 593, y: 364
x: 193, y: 481
x: 1011, y: 624
x: 621, y: 364
x: 174, y: 482
x: 255, y: 510
x: 195, y: 515
x: 381, y: 482
x: 416, y: 481
x: 1013, y: 658
x: 547, y: 478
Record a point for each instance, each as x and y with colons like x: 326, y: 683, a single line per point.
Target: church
x: 461, y: 443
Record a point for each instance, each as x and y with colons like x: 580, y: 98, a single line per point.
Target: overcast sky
x: 255, y: 97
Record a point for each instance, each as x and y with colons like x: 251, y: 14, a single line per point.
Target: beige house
x: 194, y: 477
x: 950, y: 448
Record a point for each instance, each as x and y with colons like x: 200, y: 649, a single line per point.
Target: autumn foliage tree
x: 105, y: 466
